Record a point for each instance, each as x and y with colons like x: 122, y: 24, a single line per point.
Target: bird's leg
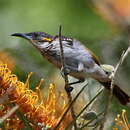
x: 69, y: 89
x: 67, y: 71
x: 64, y: 72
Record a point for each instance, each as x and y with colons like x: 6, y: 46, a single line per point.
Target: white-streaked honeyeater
x: 80, y: 62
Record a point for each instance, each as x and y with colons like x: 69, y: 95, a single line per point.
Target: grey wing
x: 79, y: 59
x: 78, y: 54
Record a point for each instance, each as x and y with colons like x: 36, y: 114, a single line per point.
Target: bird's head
x: 38, y: 39
x: 43, y: 40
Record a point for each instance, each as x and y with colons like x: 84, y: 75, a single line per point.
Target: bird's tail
x: 118, y: 92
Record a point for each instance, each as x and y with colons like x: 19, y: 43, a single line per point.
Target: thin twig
x: 69, y: 106
x: 62, y: 58
x: 26, y: 121
x: 123, y: 56
x: 85, y: 107
x: 66, y: 75
x: 8, y: 114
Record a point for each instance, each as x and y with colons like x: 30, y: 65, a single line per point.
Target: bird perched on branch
x: 80, y: 62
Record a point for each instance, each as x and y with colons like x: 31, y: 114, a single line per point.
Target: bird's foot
x: 68, y: 88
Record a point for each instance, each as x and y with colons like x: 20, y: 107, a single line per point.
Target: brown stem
x: 123, y: 56
x: 66, y: 76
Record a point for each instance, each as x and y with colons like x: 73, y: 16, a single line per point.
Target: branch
x: 70, y: 105
x: 84, y: 108
x: 8, y: 114
x: 123, y: 56
x: 66, y: 75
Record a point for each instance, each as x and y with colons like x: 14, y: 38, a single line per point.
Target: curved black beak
x: 22, y: 35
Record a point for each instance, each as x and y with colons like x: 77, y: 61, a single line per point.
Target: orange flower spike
x: 122, y: 121
x: 64, y: 102
x: 20, y: 87
x: 6, y: 72
x: 4, y: 77
x: 38, y: 91
x: 21, y: 99
x: 51, y: 100
x: 118, y: 120
x: 2, y: 66
x: 7, y: 77
x: 13, y: 78
x: 28, y: 80
x: 51, y: 97
x: 125, y: 119
x: 44, y: 112
x: 34, y: 99
x: 5, y: 84
x: 17, y: 93
x: 29, y: 100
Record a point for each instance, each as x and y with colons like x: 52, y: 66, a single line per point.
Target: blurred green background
x: 79, y: 19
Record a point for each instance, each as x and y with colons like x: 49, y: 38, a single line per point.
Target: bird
x: 80, y: 62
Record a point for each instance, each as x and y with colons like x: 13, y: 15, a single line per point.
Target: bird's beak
x: 22, y: 35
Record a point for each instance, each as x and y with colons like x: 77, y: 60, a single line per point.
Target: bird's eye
x: 35, y: 35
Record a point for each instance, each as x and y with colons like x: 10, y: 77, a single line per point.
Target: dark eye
x: 107, y: 73
x: 35, y: 36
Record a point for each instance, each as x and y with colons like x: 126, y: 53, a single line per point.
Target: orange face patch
x: 47, y: 39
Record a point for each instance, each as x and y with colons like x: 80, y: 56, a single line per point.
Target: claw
x: 68, y: 89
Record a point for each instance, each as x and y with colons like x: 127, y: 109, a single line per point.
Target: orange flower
x: 45, y: 112
x: 122, y: 121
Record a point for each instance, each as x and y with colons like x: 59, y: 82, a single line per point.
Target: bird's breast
x: 52, y: 57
